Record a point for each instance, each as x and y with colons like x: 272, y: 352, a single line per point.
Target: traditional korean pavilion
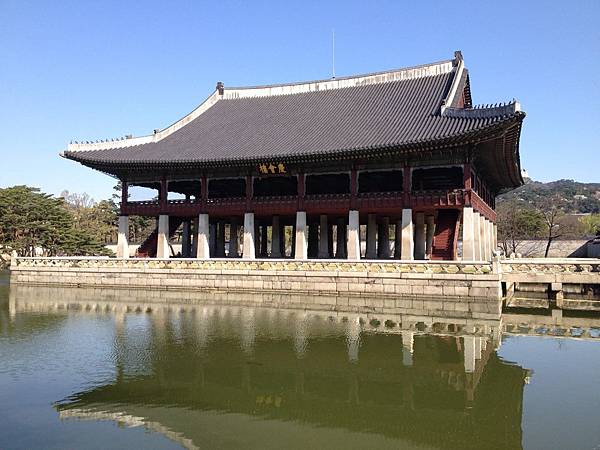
x: 402, y: 153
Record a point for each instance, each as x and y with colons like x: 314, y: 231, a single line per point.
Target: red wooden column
x: 467, y: 183
x: 204, y: 192
x: 162, y: 197
x: 353, y: 189
x: 124, y: 196
x: 301, y: 190
x: 406, y: 186
x: 249, y: 193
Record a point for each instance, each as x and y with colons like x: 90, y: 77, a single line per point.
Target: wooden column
x: 124, y: 195
x: 467, y: 183
x: 164, y: 192
x: 406, y: 186
x: 249, y: 192
x: 301, y: 191
x: 353, y: 188
x: 204, y: 191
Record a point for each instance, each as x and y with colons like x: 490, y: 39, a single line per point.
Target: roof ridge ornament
x: 459, y: 66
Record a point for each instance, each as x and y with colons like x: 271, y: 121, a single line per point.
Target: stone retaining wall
x: 451, y: 289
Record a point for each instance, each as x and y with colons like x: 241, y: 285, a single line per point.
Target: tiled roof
x: 392, y: 109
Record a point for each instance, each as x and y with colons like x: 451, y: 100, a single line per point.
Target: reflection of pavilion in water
x: 264, y: 378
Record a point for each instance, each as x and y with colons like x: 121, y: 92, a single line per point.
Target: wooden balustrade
x: 376, y: 202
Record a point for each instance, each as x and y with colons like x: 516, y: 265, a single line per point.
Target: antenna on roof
x: 333, y: 54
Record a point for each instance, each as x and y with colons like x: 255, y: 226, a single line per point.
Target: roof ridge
x: 408, y: 73
x: 484, y: 111
x: 348, y: 77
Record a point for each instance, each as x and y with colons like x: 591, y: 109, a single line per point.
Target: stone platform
x: 451, y: 289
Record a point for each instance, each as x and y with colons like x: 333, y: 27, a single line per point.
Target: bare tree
x: 517, y: 223
x: 556, y: 226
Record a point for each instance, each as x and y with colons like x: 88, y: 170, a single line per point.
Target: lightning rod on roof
x: 333, y: 54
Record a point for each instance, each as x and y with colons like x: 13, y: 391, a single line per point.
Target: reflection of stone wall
x: 453, y: 288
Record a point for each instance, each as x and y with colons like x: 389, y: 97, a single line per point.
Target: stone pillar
x: 477, y: 236
x: 398, y: 240
x: 340, y: 246
x: 313, y: 240
x: 220, y: 249
x: 194, y: 250
x: 492, y: 243
x: 256, y: 239
x: 485, y: 245
x: 468, y: 234
x: 293, y: 249
x: 353, y: 239
x: 430, y: 221
x: 371, y: 237
x: 249, y: 249
x: 275, y: 238
x: 408, y: 245
x: 233, y: 238
x: 202, y: 237
x: 495, y: 236
x: 185, y: 239
x: 212, y: 239
x: 330, y: 240
x: 490, y: 240
x: 282, y: 244
x: 162, y: 243
x: 123, y: 237
x: 383, y: 246
x: 263, y: 241
x: 323, y: 237
x: 301, y: 236
x: 420, y: 235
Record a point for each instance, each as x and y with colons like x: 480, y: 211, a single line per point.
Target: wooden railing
x: 376, y: 202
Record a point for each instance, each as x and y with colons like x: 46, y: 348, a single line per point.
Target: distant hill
x: 575, y: 198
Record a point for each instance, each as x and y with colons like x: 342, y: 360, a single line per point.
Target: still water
x: 220, y: 378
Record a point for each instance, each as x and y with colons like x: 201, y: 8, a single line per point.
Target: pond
x: 221, y: 377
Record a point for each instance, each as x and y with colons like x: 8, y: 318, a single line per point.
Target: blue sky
x: 92, y: 70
